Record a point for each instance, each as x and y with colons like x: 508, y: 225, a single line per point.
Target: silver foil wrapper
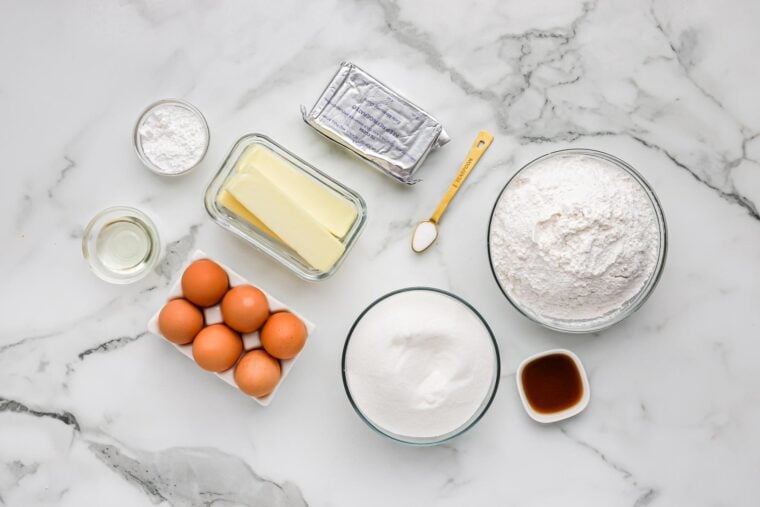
x: 365, y: 116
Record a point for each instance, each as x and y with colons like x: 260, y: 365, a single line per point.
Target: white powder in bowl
x: 420, y: 364
x: 574, y: 237
x: 172, y: 137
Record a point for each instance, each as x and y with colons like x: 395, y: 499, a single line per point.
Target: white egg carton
x: 213, y: 315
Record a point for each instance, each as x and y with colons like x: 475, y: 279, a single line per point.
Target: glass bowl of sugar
x: 420, y: 366
x: 577, y: 240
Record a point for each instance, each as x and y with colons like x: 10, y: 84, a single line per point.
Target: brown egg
x: 257, y: 373
x: 217, y: 347
x: 283, y: 335
x: 204, y: 283
x: 179, y: 321
x: 245, y: 308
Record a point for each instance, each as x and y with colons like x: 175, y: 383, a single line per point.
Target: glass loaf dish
x: 258, y: 235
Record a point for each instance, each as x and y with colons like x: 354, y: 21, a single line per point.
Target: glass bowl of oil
x: 121, y: 245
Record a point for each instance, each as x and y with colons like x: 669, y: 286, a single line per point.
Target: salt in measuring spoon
x: 426, y: 232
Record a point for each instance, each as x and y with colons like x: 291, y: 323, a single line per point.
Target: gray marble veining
x: 95, y: 411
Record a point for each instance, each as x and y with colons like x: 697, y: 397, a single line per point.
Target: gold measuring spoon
x: 426, y: 231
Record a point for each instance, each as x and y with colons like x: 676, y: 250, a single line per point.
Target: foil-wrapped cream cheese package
x: 363, y: 115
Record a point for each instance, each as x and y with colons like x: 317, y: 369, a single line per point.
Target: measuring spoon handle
x: 481, y: 144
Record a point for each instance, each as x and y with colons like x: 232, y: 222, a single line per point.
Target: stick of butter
x: 290, y: 221
x: 332, y: 211
x: 228, y: 201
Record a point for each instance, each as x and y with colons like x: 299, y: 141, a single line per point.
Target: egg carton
x: 213, y: 315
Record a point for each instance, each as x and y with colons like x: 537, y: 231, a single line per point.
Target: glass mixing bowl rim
x: 654, y: 278
x: 482, y: 409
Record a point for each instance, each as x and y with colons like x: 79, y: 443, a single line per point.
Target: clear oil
x: 124, y: 245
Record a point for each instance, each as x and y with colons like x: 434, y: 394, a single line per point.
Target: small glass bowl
x: 603, y: 322
x: 147, y: 162
x: 260, y: 239
x: 120, y: 264
x: 439, y: 439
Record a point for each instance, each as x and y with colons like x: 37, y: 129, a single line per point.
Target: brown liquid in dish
x: 552, y: 383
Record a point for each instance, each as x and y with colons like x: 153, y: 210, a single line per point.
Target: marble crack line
x: 491, y: 168
x: 30, y: 339
x: 176, y: 252
x: 648, y: 494
x: 685, y: 65
x: 733, y: 197
x: 568, y: 136
x: 70, y: 164
x: 107, y: 346
x: 564, y: 35
x: 274, y: 79
x: 66, y: 417
x: 645, y: 498
x: 114, y: 344
x: 26, y: 340
x: 177, y: 475
x: 408, y: 34
x: 452, y: 484
x: 747, y: 139
x: 397, y: 230
x: 452, y: 481
x: 148, y: 289
x: 195, y: 476
x: 27, y: 205
x: 18, y: 470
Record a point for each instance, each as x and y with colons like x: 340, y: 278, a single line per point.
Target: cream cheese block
x: 287, y: 218
x: 333, y: 212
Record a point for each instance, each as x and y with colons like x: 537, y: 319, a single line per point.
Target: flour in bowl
x: 574, y: 237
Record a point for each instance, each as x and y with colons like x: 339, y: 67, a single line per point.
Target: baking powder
x: 574, y: 237
x: 420, y: 364
x: 173, y: 137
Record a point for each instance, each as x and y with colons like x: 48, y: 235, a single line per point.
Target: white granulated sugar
x: 574, y: 237
x: 420, y: 364
x: 173, y: 137
x: 424, y: 235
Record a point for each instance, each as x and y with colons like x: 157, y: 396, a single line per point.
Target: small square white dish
x: 571, y: 411
x: 213, y: 315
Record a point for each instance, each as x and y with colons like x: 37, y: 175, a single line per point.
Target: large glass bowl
x: 633, y: 304
x: 438, y: 439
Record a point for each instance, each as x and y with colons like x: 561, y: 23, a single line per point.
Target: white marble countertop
x: 95, y: 411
